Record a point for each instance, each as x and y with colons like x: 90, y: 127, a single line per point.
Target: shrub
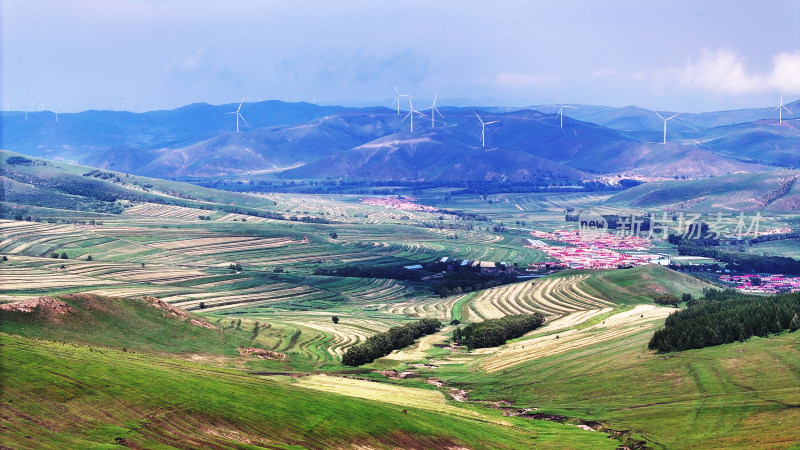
x: 494, y: 332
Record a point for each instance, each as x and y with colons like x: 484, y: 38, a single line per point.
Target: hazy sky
x: 139, y: 55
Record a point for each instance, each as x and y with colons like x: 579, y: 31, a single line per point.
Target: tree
x: 142, y: 265
x: 667, y: 300
x: 686, y: 297
x: 334, y: 235
x: 89, y: 258
x: 64, y: 255
x: 202, y: 305
x: 5, y: 258
x: 334, y: 319
x: 54, y: 255
x: 455, y: 322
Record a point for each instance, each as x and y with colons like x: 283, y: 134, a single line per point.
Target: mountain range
x: 306, y: 141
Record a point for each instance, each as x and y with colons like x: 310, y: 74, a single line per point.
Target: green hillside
x: 74, y: 396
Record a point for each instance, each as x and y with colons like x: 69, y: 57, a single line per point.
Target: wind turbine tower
x: 397, y: 96
x: 55, y: 110
x: 483, y: 128
x: 435, y: 111
x: 238, y: 115
x: 561, y: 113
x: 665, y: 124
x: 411, y: 113
x: 780, y: 109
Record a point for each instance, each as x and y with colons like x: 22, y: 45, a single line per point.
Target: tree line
x: 384, y: 343
x: 744, y: 262
x: 391, y: 272
x: 724, y: 317
x: 494, y: 332
x: 456, y: 283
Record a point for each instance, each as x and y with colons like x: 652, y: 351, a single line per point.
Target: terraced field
x: 432, y: 307
x: 640, y: 319
x: 550, y: 295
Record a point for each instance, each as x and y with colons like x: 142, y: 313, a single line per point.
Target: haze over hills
x: 302, y: 140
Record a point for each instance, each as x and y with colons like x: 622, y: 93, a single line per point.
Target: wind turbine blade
x: 676, y: 115
x: 659, y: 115
x: 245, y: 122
x: 396, y: 91
x: 437, y: 112
x: 240, y: 105
x: 406, y: 117
x: 778, y: 107
x: 434, y: 100
x: 494, y: 121
x: 479, y: 118
x: 787, y: 109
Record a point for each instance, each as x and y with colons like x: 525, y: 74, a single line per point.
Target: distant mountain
x: 74, y: 136
x: 310, y: 141
x: 644, y: 124
x: 522, y: 145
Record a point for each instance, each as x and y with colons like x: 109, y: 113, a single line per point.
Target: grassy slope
x: 118, y: 323
x: 640, y: 284
x: 741, y: 394
x: 58, y: 396
x: 715, y: 190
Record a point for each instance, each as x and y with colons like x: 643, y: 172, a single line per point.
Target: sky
x: 139, y: 55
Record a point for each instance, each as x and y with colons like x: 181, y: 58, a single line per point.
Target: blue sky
x: 675, y: 55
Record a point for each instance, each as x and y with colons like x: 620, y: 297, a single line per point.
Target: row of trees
x: 392, y: 272
x: 728, y: 318
x: 456, y: 283
x: 392, y: 339
x: 494, y: 332
x: 744, y: 262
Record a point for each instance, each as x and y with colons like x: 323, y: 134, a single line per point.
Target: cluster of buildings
x: 399, y: 202
x: 593, y: 250
x: 768, y: 284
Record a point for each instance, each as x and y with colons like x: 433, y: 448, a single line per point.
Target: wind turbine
x: 780, y: 109
x: 411, y: 113
x: 483, y: 128
x: 561, y: 113
x: 435, y: 111
x: 397, y: 96
x: 55, y: 110
x: 238, y: 115
x: 665, y: 124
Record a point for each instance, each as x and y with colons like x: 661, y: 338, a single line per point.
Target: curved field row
x: 555, y: 295
x: 550, y: 345
x: 167, y: 211
x: 347, y: 333
x: 434, y: 308
x: 205, y: 246
x: 25, y: 279
x: 217, y: 301
x: 570, y: 320
x: 402, y: 396
x: 622, y: 324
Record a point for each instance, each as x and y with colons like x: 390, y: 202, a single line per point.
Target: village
x: 763, y: 283
x: 593, y: 250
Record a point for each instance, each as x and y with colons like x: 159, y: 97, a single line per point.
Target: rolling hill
x: 775, y: 191
x: 199, y: 140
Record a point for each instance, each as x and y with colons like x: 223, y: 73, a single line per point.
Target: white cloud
x: 786, y: 73
x: 724, y: 70
x: 192, y: 64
